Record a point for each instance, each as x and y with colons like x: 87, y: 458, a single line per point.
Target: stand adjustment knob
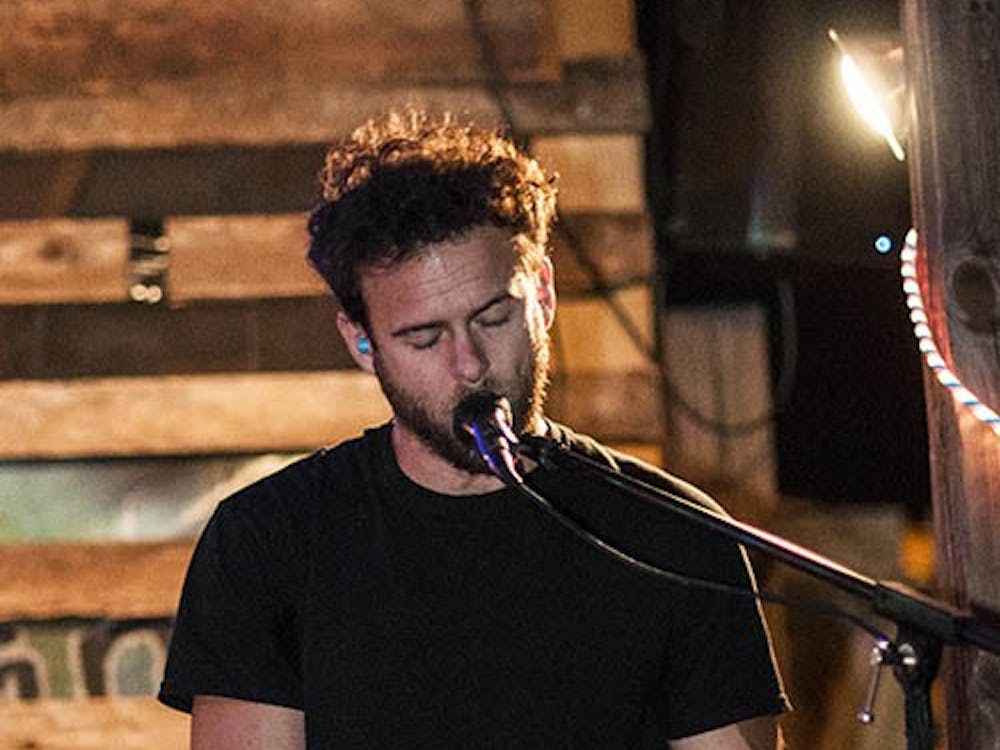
x: 880, y: 656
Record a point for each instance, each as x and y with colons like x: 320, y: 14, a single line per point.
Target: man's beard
x: 526, y: 395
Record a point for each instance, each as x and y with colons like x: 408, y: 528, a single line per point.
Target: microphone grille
x: 477, y: 407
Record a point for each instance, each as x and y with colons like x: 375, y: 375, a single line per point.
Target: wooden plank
x: 593, y: 97
x: 183, y: 415
x: 264, y: 170
x: 86, y: 49
x: 97, y: 340
x: 597, y: 172
x: 953, y: 65
x: 63, y: 261
x: 51, y: 581
x: 40, y: 187
x: 589, y: 338
x: 593, y: 28
x: 196, y: 414
x: 92, y: 724
x: 615, y: 407
x: 619, y: 247
x: 296, y: 334
x: 233, y: 257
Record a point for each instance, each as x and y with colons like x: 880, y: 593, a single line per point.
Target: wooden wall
x: 213, y: 118
x: 175, y: 103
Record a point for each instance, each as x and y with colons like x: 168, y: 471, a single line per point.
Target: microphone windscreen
x: 479, y: 408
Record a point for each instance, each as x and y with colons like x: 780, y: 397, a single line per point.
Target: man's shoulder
x: 632, y: 466
x: 309, y: 480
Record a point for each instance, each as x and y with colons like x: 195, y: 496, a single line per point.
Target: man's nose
x: 469, y: 363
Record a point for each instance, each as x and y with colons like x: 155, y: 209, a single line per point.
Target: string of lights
x: 925, y: 338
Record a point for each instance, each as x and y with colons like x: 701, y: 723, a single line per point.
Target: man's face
x: 458, y: 317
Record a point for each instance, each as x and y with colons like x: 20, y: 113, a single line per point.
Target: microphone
x: 486, y: 416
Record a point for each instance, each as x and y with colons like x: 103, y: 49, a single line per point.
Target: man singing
x: 391, y: 592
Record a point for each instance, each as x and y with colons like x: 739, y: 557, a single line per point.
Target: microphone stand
x: 923, y: 622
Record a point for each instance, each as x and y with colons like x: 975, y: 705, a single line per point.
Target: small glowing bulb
x: 137, y: 292
x: 883, y: 244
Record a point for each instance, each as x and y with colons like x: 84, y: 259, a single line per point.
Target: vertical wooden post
x: 953, y: 66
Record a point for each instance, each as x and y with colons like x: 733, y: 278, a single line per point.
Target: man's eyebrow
x: 431, y: 325
x: 502, y: 297
x: 416, y: 328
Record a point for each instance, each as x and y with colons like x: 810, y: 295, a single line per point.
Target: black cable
x: 624, y: 284
x: 495, y: 80
x: 651, y: 351
x: 802, y: 603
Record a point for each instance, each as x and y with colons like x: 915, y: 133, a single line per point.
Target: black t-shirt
x: 398, y: 617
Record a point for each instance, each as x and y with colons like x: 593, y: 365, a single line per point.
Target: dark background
x: 751, y: 122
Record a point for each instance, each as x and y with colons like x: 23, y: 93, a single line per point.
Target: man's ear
x: 357, y: 340
x: 545, y: 282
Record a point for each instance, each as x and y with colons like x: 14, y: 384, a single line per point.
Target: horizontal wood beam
x: 589, y: 337
x: 183, y: 415
x: 245, y: 257
x: 52, y: 581
x: 601, y: 95
x: 76, y: 48
x: 129, y: 339
x: 65, y: 342
x: 202, y: 414
x: 600, y: 170
x: 92, y: 724
x: 585, y: 28
x: 615, y: 407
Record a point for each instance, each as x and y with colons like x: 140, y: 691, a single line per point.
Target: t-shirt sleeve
x: 234, y: 635
x: 720, y: 668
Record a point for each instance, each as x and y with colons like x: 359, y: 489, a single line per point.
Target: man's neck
x: 426, y: 468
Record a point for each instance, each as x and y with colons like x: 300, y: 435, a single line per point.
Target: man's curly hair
x: 407, y: 180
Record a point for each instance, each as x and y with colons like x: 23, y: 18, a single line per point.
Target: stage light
x: 875, y: 88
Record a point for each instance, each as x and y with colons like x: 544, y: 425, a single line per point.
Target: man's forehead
x: 486, y: 252
x: 445, y: 277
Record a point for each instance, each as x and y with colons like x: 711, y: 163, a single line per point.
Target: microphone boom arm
x: 895, y: 601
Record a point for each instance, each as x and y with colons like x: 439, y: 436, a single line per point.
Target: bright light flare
x: 864, y: 98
